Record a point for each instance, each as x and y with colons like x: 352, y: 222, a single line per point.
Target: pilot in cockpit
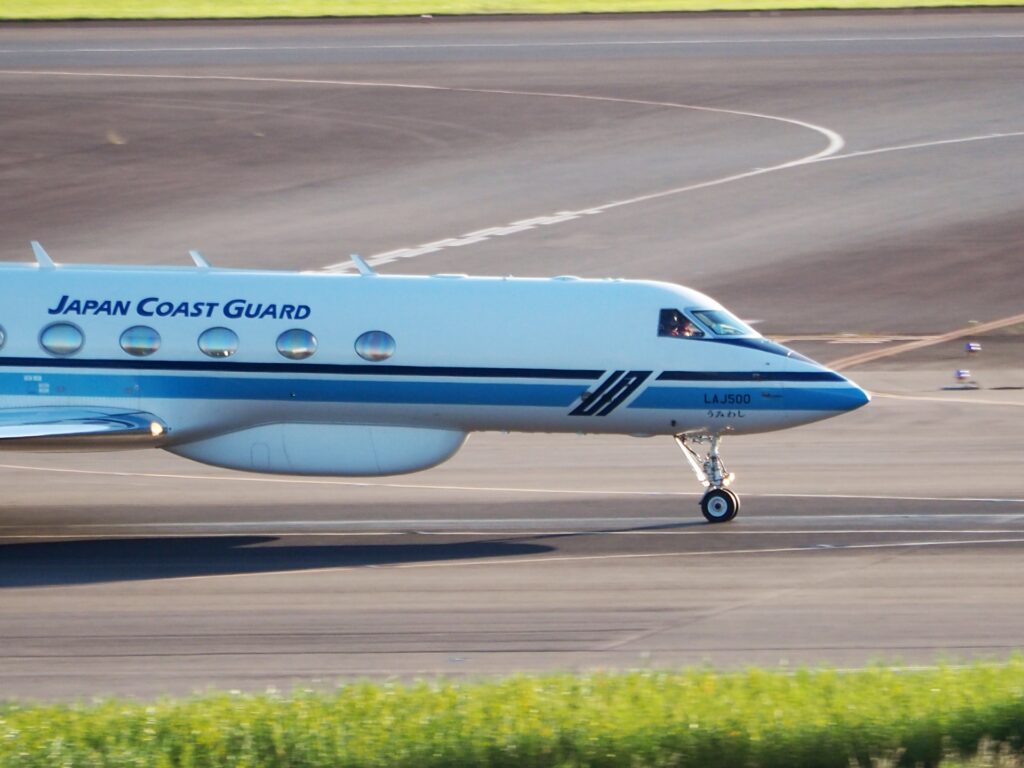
x: 674, y: 323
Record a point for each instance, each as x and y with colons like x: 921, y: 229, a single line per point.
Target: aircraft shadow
x: 93, y: 561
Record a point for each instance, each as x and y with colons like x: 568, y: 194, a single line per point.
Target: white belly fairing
x: 327, y: 449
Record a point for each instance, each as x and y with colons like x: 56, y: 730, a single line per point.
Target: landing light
x: 156, y: 429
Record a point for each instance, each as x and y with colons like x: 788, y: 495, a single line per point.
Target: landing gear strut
x: 719, y: 504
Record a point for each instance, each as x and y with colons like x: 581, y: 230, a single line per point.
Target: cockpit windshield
x: 723, y: 323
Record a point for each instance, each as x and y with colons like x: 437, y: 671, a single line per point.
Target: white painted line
x: 705, y: 553
x: 824, y: 156
x: 349, y: 483
x: 526, y: 45
x: 834, y: 144
x: 497, y: 489
x: 703, y: 530
x: 924, y: 145
x: 409, y: 524
x: 877, y: 497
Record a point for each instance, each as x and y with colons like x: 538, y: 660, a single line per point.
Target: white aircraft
x: 366, y: 374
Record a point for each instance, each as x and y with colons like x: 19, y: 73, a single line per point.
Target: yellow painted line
x: 938, y: 399
x: 899, y: 349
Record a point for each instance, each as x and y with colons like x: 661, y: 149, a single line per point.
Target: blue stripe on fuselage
x: 760, y: 399
x: 295, y: 390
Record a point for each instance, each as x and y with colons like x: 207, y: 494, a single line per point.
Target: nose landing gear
x: 719, y: 504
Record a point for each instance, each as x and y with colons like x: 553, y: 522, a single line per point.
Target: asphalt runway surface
x: 851, y: 182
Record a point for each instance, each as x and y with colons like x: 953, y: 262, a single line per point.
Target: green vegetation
x: 821, y: 719
x: 251, y: 9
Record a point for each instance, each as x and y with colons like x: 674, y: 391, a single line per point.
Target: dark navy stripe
x: 750, y: 376
x: 301, y: 368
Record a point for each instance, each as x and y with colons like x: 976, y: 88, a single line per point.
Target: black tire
x: 719, y: 505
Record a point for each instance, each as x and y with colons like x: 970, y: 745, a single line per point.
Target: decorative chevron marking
x: 610, y: 393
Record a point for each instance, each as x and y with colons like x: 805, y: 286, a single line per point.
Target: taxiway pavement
x: 822, y: 174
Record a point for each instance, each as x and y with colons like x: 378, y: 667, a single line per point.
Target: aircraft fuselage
x: 345, y: 374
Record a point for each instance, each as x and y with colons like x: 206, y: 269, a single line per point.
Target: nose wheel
x: 719, y: 504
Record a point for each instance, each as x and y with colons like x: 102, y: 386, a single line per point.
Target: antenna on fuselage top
x: 197, y: 257
x: 364, y: 269
x: 42, y: 257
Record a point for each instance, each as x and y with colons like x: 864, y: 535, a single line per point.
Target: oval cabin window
x: 375, y: 346
x: 3, y: 337
x: 218, y: 342
x: 140, y: 340
x: 61, y: 339
x: 296, y: 344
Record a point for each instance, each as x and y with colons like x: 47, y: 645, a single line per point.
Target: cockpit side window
x: 723, y: 323
x: 674, y: 324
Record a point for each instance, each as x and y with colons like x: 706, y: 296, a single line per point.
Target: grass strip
x: 252, y: 9
x: 753, y: 719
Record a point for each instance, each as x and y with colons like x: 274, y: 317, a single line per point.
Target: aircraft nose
x: 816, y: 392
x: 848, y: 397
